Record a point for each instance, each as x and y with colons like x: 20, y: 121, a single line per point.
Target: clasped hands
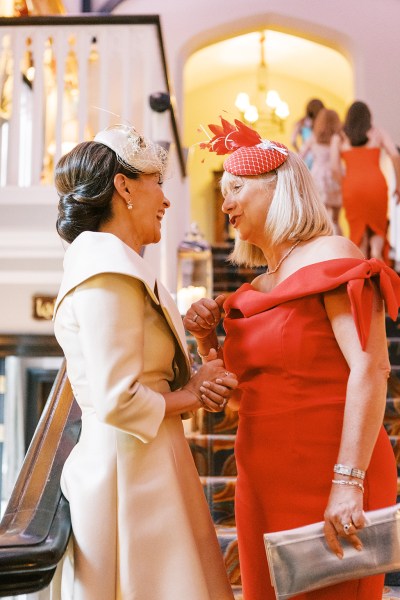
x: 212, y: 384
x: 216, y: 383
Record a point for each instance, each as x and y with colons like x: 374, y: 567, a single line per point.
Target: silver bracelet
x: 203, y: 356
x: 350, y: 471
x: 356, y: 484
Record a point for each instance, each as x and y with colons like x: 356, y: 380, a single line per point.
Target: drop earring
x: 129, y: 205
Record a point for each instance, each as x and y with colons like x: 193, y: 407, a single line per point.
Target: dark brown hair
x: 84, y: 180
x: 313, y: 107
x: 358, y: 123
x: 326, y: 124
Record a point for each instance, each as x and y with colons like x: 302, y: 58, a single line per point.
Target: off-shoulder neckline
x: 292, y: 275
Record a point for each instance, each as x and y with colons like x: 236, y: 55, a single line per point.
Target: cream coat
x: 141, y: 525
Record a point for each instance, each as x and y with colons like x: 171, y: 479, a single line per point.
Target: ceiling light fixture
x: 272, y: 110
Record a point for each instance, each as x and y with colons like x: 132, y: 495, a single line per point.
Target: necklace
x: 283, y: 258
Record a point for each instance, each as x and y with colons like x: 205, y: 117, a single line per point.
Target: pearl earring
x: 129, y: 205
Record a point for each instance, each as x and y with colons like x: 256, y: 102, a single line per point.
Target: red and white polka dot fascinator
x: 249, y: 153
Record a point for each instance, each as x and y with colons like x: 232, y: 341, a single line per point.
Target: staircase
x: 212, y: 444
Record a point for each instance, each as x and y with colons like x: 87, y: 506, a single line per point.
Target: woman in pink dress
x: 327, y: 124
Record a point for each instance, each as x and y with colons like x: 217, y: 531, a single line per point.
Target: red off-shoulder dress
x: 293, y: 379
x: 365, y: 194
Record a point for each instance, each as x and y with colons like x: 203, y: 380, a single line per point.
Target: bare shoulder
x: 257, y: 280
x: 319, y: 249
x: 334, y: 246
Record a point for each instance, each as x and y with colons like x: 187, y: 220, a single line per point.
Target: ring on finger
x: 224, y: 403
x: 195, y: 318
x: 347, y: 527
x: 227, y: 373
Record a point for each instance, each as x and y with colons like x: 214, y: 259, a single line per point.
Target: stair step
x: 395, y: 442
x: 392, y: 327
x: 393, y: 579
x: 394, y: 350
x: 213, y: 454
x: 220, y: 494
x: 225, y: 422
x: 391, y: 419
x: 393, y: 390
x: 389, y: 592
x: 227, y: 539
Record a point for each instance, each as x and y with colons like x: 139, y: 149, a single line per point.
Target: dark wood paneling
x: 29, y: 345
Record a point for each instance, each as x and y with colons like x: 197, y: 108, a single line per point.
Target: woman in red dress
x: 307, y: 341
x: 364, y: 188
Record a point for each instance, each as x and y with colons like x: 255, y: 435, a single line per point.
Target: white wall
x: 31, y: 253
x: 367, y: 31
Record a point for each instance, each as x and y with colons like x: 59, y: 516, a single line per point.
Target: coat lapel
x: 92, y: 253
x: 173, y: 318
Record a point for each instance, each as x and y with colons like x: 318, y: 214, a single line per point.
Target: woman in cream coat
x: 141, y: 525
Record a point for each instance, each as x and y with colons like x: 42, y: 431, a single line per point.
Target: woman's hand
x: 203, y: 316
x: 344, y: 516
x: 212, y: 385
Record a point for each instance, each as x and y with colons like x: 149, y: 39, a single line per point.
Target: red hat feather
x: 249, y: 153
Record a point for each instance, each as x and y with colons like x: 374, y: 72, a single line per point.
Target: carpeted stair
x: 212, y: 444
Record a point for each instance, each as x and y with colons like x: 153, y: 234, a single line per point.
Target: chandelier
x: 270, y: 109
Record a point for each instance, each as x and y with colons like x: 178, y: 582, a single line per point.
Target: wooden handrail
x: 35, y: 528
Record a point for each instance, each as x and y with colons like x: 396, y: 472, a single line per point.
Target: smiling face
x: 148, y: 207
x: 247, y: 201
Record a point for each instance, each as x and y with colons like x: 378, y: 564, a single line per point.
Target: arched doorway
x: 298, y: 68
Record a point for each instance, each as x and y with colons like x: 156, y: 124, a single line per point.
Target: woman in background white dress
x: 326, y: 125
x: 141, y: 525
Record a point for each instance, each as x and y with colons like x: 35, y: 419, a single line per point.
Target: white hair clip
x: 268, y: 145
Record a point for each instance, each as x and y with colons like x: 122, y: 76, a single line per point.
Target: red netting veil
x: 249, y: 154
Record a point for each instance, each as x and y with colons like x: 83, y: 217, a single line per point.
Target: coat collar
x: 92, y: 253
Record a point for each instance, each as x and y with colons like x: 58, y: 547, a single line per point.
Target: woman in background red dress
x: 307, y: 341
x: 364, y: 187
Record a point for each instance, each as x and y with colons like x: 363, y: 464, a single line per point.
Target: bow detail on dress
x: 361, y: 295
x: 357, y: 274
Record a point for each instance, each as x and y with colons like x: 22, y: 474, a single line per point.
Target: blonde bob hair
x: 296, y: 211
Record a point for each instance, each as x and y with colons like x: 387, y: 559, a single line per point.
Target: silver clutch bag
x: 299, y: 559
